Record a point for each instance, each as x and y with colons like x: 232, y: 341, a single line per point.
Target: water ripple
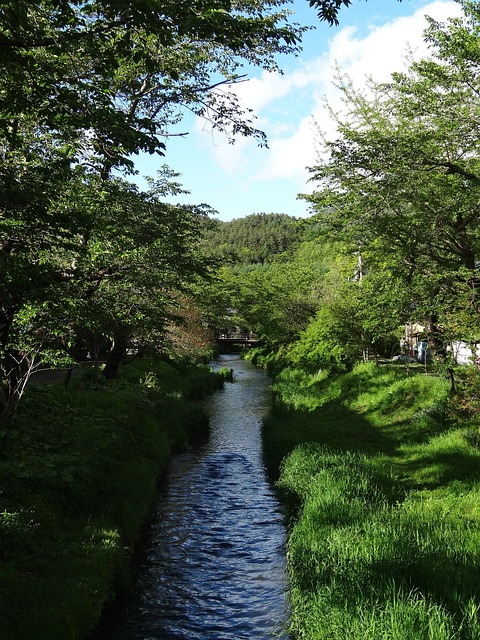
x: 215, y: 564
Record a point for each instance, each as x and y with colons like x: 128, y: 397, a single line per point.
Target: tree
x: 358, y: 316
x: 188, y: 333
x: 256, y: 238
x: 108, y: 79
x: 109, y: 269
x: 153, y: 247
x: 276, y: 300
x: 86, y: 85
x: 401, y: 181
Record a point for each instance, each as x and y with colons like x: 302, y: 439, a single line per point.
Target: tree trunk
x: 115, y: 356
x: 438, y: 349
x: 9, y: 367
x: 17, y: 369
x: 451, y: 377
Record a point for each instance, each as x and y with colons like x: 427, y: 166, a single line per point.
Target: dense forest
x: 257, y: 238
x: 394, y: 234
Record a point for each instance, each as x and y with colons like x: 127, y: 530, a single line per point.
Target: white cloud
x: 286, y: 103
x: 380, y: 53
x: 288, y: 157
x: 385, y: 47
x: 262, y: 95
x: 258, y: 93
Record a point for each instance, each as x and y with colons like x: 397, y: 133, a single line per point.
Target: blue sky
x: 237, y: 180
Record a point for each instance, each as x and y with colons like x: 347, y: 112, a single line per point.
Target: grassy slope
x: 385, y: 535
x: 78, y: 473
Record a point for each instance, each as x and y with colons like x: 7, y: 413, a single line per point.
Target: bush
x: 78, y: 475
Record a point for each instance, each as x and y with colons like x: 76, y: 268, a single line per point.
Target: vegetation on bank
x: 78, y: 473
x: 394, y: 238
x: 382, y: 476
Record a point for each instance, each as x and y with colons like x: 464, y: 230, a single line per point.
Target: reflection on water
x: 215, y: 564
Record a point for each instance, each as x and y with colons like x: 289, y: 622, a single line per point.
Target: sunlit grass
x: 384, y: 489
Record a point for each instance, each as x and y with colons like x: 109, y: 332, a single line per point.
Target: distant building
x: 412, y: 337
x: 415, y: 344
x: 464, y: 353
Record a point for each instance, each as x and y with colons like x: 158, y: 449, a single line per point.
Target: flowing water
x: 214, y: 566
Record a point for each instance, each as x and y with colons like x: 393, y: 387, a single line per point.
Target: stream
x: 214, y: 564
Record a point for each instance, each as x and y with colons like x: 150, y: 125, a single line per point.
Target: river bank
x: 383, y: 483
x: 78, y: 473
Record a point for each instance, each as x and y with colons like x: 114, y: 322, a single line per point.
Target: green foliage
x: 173, y: 378
x: 109, y: 277
x: 322, y: 347
x: 226, y: 374
x: 395, y: 233
x: 467, y: 399
x: 400, y: 183
x: 339, y: 336
x: 78, y: 474
x: 328, y: 10
x: 121, y: 71
x: 256, y: 238
x: 84, y: 256
x: 274, y: 300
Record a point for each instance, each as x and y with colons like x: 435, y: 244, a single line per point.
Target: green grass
x: 383, y: 485
x: 78, y: 474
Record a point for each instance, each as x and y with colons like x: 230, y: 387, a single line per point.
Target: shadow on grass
x: 332, y: 424
x: 398, y: 562
x: 415, y: 459
x: 433, y: 470
x: 78, y: 581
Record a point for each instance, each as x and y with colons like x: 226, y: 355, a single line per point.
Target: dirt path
x: 60, y: 375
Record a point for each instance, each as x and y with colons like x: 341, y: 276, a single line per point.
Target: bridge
x: 237, y: 338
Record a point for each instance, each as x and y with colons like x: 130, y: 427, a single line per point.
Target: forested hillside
x: 257, y: 238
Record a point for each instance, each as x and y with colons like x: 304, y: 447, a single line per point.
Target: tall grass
x: 78, y: 474
x: 384, y: 493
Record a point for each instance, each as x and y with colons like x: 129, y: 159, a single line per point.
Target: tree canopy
x: 328, y: 9
x: 395, y: 235
x: 85, y: 86
x: 256, y: 238
x: 400, y: 183
x: 109, y: 79
x: 85, y: 255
